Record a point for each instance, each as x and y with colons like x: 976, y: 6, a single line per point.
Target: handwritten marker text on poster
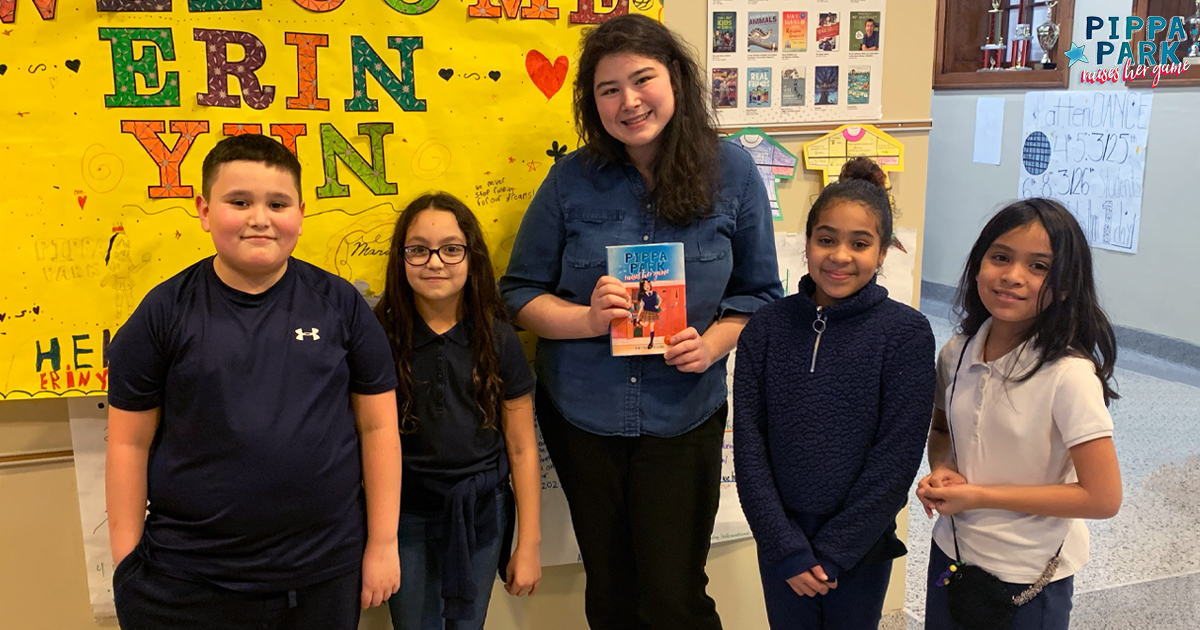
x: 1088, y: 151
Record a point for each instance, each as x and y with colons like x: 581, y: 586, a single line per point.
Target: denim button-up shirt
x: 585, y: 205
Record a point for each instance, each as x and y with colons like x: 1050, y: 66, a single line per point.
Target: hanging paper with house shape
x: 773, y: 160
x: 832, y: 150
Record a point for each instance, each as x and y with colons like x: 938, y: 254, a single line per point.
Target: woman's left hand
x: 688, y: 352
x: 950, y: 500
x: 524, y: 572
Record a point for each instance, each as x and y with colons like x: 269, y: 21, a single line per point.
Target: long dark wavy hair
x: 685, y: 169
x: 481, y: 305
x: 1072, y: 322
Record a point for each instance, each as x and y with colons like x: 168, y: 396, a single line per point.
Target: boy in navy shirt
x: 252, y: 403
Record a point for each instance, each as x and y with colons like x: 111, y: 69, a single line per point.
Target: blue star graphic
x: 1076, y: 54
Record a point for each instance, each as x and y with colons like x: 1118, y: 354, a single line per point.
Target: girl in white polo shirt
x: 1021, y: 445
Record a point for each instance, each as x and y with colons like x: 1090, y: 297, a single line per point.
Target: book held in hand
x: 653, y: 276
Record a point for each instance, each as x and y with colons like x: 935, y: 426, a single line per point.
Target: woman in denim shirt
x: 636, y: 441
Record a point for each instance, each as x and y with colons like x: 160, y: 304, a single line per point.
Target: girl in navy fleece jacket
x: 832, y: 392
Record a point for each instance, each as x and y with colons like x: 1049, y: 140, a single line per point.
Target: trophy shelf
x: 1166, y: 8
x: 962, y: 32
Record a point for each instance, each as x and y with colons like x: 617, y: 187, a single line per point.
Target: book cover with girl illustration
x: 828, y: 29
x: 654, y: 277
x: 725, y: 88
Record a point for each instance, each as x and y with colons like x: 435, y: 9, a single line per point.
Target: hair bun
x: 863, y: 168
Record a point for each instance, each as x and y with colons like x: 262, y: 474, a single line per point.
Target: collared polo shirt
x: 449, y: 442
x: 1010, y: 433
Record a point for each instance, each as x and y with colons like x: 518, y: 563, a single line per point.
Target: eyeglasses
x: 419, y: 255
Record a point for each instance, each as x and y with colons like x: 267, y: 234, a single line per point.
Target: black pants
x: 643, y: 510
x: 148, y: 599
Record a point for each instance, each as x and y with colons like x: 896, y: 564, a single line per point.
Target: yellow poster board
x: 109, y: 107
x: 831, y: 151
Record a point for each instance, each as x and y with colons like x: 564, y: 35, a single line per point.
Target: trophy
x: 1047, y: 36
x: 1022, y: 38
x: 1193, y: 26
x: 993, y: 48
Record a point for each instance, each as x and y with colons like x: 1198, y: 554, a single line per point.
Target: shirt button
x: 439, y: 359
x: 645, y: 237
x: 633, y: 379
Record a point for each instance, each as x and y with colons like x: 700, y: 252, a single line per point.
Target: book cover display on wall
x: 783, y: 61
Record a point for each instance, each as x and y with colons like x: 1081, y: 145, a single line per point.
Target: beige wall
x: 42, y: 581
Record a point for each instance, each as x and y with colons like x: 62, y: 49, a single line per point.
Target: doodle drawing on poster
x: 762, y: 32
x: 791, y: 87
x: 858, y: 85
x: 725, y: 88
x: 758, y: 87
x: 825, y: 85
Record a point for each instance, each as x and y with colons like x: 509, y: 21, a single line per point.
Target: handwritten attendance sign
x: 109, y: 107
x: 1088, y: 150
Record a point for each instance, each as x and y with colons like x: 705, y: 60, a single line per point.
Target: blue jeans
x: 1050, y: 610
x: 418, y: 605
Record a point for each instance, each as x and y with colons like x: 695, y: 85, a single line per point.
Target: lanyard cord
x: 950, y: 426
x: 1048, y: 574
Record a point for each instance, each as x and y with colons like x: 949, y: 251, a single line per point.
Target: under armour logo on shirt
x: 300, y: 334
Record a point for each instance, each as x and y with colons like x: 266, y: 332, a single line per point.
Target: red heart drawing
x: 82, y: 200
x: 548, y: 78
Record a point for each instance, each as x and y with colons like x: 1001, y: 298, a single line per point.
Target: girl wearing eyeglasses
x: 466, y: 421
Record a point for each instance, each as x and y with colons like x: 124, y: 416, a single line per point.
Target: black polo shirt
x: 254, y: 477
x: 449, y: 443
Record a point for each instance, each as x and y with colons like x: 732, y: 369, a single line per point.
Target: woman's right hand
x: 610, y: 301
x: 941, y: 476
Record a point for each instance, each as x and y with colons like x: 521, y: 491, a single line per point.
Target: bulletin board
x: 111, y: 105
x: 769, y: 62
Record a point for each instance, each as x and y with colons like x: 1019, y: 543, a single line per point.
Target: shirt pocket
x: 588, y: 232
x: 713, y: 236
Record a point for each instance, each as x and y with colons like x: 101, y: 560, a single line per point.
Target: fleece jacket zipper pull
x: 819, y: 327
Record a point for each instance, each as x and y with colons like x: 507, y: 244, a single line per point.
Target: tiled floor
x: 1145, y: 562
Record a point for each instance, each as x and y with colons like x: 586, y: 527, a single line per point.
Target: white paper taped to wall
x: 89, y: 437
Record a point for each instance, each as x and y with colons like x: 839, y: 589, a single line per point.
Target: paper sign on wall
x: 1088, y: 151
x: 831, y: 151
x: 773, y: 160
x: 89, y: 440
